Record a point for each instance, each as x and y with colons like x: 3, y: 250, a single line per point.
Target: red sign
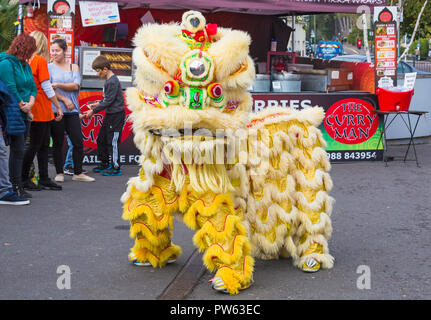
x: 385, y: 16
x: 351, y: 121
x: 91, y: 127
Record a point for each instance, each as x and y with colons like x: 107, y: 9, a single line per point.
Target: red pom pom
x: 168, y: 87
x: 171, y: 88
x: 215, y: 90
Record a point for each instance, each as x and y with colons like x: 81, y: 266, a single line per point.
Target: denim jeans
x: 5, y: 184
x: 68, y: 162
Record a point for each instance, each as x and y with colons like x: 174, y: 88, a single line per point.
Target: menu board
x: 61, y: 27
x: 385, y: 44
x: 61, y: 21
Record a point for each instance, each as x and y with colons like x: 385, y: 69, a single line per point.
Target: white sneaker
x: 217, y: 284
x: 311, y: 265
x: 132, y: 258
x: 82, y: 178
x: 59, y: 178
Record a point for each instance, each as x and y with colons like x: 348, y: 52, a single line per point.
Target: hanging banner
x: 97, y: 13
x: 61, y: 24
x: 385, y: 44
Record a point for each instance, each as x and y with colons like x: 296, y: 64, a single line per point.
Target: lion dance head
x: 191, y: 86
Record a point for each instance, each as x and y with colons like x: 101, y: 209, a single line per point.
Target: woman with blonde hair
x: 42, y: 117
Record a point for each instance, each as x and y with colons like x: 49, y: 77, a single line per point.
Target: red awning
x: 263, y: 7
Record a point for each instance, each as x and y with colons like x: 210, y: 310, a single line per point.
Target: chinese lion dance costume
x: 271, y: 200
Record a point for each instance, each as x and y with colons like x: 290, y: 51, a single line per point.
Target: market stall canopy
x: 264, y: 7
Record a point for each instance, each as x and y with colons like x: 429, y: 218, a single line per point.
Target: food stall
x: 345, y: 90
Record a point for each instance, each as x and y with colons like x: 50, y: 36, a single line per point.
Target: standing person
x: 417, y: 54
x: 109, y: 136
x: 16, y: 74
x: 68, y: 162
x: 42, y: 116
x: 7, y: 195
x: 66, y: 80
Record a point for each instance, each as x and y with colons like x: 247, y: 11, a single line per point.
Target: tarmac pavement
x: 381, y: 243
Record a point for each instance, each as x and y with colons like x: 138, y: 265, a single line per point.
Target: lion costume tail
x: 288, y: 207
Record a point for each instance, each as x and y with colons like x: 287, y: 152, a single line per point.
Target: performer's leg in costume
x: 312, y: 201
x: 222, y: 235
x: 270, y: 210
x: 151, y: 223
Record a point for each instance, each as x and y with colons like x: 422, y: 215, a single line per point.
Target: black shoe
x: 19, y: 190
x: 68, y: 171
x: 12, y: 199
x: 49, y: 184
x: 111, y: 172
x: 29, y: 185
x: 101, y: 167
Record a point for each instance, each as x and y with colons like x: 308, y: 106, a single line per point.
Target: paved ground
x: 381, y: 221
x: 350, y: 49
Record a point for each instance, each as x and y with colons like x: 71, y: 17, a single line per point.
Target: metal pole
x: 365, y: 32
x: 293, y: 34
x: 315, y: 30
x: 20, y: 20
x: 399, y: 8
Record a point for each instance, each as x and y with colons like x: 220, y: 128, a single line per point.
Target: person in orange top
x: 42, y: 117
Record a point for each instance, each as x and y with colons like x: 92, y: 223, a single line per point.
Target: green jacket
x: 18, y: 77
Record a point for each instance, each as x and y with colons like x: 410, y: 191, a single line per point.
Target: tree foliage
x: 325, y: 26
x: 8, y: 16
x: 411, y: 9
x: 424, y: 48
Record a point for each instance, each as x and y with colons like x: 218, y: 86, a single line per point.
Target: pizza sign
x: 351, y: 121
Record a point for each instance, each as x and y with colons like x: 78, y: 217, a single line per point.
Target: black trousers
x: 71, y: 124
x: 39, y: 143
x: 109, y: 139
x: 16, y: 155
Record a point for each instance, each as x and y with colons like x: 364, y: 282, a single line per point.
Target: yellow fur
x: 272, y: 201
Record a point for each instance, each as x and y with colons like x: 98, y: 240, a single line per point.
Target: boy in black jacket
x: 109, y: 136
